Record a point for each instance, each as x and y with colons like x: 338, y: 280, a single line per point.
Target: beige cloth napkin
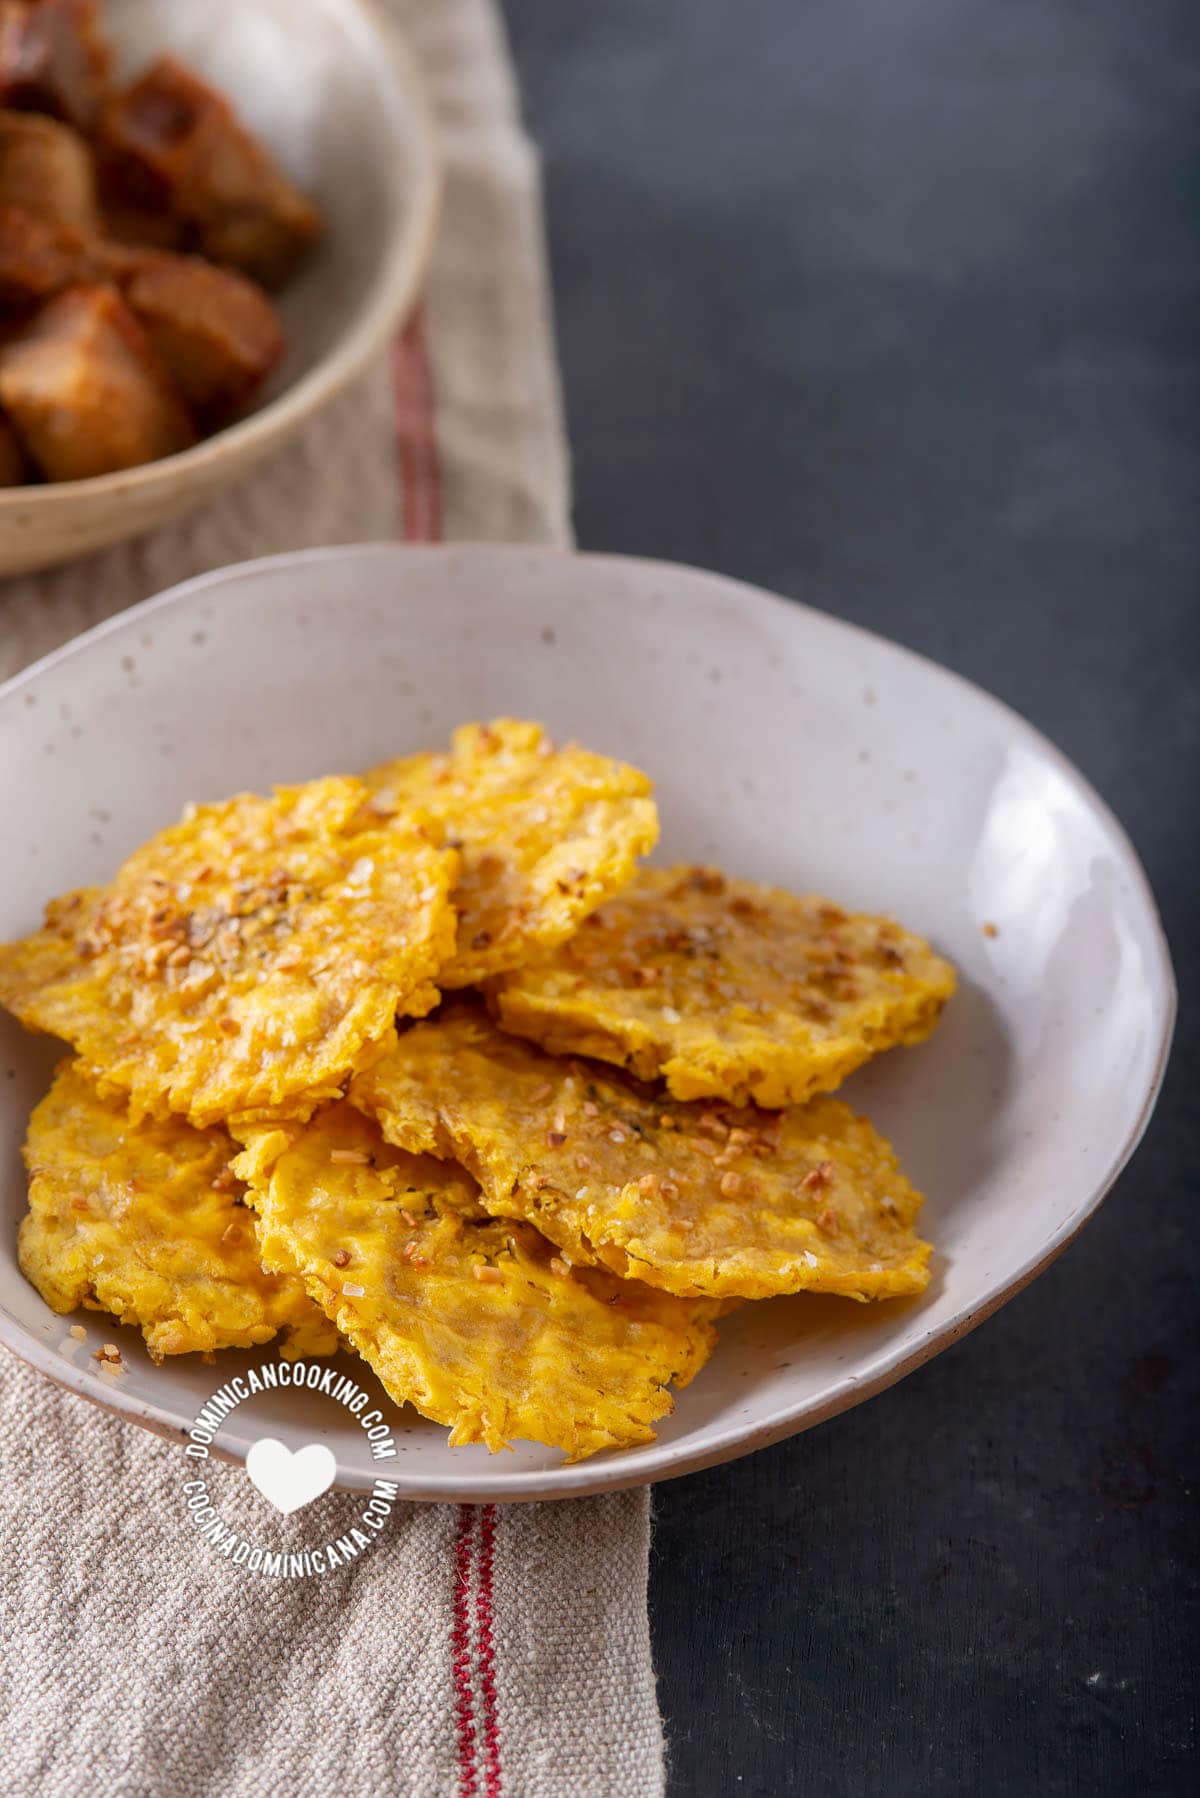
x: 476, y: 1650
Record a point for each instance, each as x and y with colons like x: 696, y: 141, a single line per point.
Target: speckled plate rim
x: 396, y: 288
x: 875, y: 1373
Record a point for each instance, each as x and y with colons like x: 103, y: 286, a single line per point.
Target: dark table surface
x: 893, y: 305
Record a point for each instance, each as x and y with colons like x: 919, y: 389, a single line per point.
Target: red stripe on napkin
x: 472, y: 1649
x: 487, y: 1666
x: 460, y: 1650
x: 472, y: 1655
x: 420, y: 476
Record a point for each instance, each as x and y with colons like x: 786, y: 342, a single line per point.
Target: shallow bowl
x: 786, y: 746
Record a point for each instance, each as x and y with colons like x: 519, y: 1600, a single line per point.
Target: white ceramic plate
x: 786, y: 746
x: 331, y: 88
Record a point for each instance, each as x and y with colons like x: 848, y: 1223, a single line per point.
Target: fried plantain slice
x: 248, y: 958
x: 727, y: 989
x: 145, y: 1221
x: 719, y: 1201
x: 546, y: 835
x: 478, y: 1324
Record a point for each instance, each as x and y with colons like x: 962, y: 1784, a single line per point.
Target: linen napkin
x: 476, y: 1649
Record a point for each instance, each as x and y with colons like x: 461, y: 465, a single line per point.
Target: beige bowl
x: 785, y: 746
x: 330, y: 87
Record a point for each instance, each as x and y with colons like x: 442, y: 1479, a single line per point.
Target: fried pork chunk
x: 46, y: 168
x: 171, y: 143
x: 216, y: 331
x: 88, y: 392
x: 39, y: 259
x: 53, y: 59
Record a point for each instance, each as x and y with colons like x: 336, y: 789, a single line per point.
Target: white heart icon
x: 290, y: 1481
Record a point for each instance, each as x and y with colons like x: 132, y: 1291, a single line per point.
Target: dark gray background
x: 893, y: 305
